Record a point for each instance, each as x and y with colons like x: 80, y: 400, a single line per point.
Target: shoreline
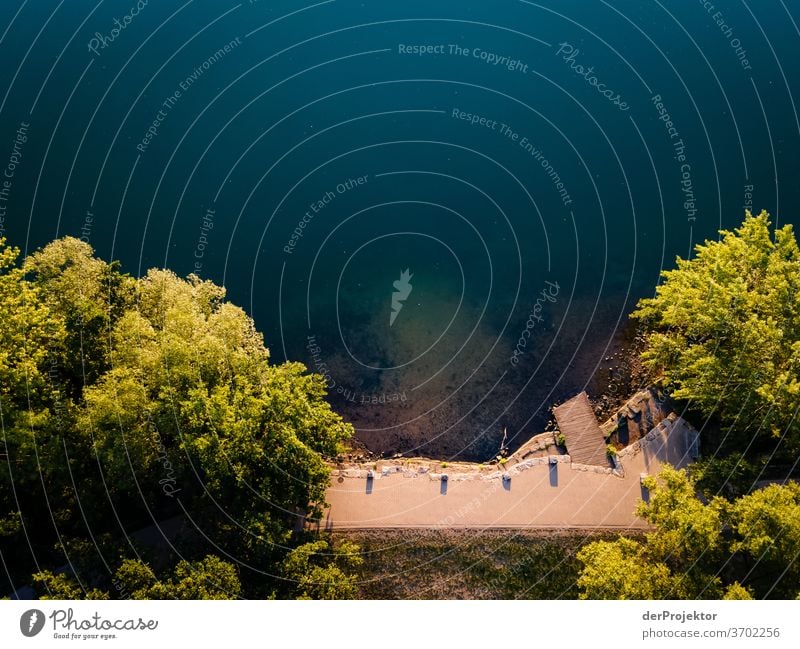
x: 618, y: 379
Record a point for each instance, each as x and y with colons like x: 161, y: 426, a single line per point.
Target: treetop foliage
x: 701, y: 550
x: 724, y: 330
x: 126, y: 401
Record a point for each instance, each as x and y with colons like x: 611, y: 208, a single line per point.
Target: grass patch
x: 469, y: 564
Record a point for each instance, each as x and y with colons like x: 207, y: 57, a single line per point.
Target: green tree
x: 134, y: 579
x: 210, y: 578
x: 56, y: 310
x: 686, y: 528
x: 678, y: 559
x: 737, y: 591
x: 725, y: 329
x: 696, y: 549
x: 319, y: 571
x: 121, y: 396
x: 730, y: 476
x: 193, y: 404
x: 29, y: 330
x: 767, y: 528
x: 36, y: 411
x: 63, y: 586
x: 622, y: 569
x: 88, y: 295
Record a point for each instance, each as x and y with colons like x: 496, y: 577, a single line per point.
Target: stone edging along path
x: 392, y: 469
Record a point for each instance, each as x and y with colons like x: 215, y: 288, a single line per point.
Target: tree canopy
x: 321, y: 571
x: 723, y: 334
x: 724, y: 330
x: 739, y: 549
x: 209, y: 578
x: 127, y: 401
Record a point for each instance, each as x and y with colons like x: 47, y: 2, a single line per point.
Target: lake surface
x: 446, y: 208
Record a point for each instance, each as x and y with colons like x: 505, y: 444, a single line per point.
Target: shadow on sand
x: 554, y: 475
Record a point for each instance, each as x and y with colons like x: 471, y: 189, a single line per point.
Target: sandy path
x: 541, y: 496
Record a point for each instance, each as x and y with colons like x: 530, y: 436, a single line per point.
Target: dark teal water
x: 575, y: 178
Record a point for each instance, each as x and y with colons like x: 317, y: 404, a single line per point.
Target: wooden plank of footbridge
x: 576, y: 421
